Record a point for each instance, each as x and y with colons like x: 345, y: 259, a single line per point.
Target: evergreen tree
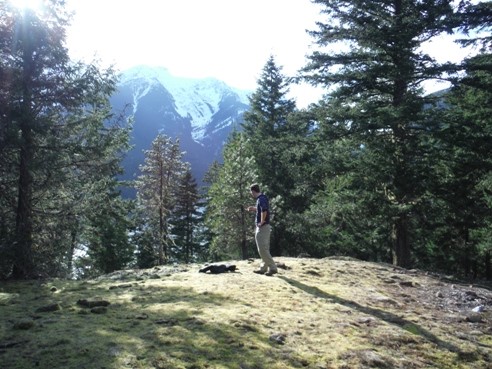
x: 298, y: 180
x: 371, y: 64
x: 57, y: 137
x: 266, y: 121
x: 107, y: 235
x: 185, y: 219
x: 157, y: 190
x: 143, y: 239
x: 212, y: 174
x: 206, y: 234
x: 226, y: 217
x: 476, y: 24
x: 462, y: 237
x: 266, y: 125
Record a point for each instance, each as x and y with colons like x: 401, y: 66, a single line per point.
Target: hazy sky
x: 227, y: 39
x: 230, y: 40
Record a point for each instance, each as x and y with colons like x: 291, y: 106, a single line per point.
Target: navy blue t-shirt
x: 261, y: 206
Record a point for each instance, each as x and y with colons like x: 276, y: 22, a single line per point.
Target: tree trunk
x: 23, y: 259
x: 162, y: 222
x: 189, y: 239
x: 488, y: 265
x: 244, y: 239
x: 73, y: 243
x: 401, y: 244
x: 162, y: 237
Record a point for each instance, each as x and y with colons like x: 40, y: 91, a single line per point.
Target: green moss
x: 412, y: 328
x: 194, y: 321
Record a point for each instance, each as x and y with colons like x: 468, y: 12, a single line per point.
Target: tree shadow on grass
x: 380, y: 314
x: 145, y: 326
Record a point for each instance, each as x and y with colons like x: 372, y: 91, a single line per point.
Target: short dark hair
x: 255, y: 187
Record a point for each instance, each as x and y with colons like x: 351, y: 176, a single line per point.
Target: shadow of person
x: 377, y: 313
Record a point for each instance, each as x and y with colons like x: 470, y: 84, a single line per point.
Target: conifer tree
x: 371, y: 64
x: 57, y: 137
x: 106, y: 236
x: 157, y: 190
x: 465, y: 142
x: 185, y: 219
x: 226, y: 217
x: 266, y: 126
x: 463, y: 233
x: 266, y: 120
x: 206, y: 235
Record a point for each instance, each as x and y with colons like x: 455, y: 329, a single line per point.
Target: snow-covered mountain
x: 200, y: 112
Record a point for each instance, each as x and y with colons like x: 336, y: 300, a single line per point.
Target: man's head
x: 255, y: 190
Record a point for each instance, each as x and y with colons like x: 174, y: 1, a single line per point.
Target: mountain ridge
x: 201, y: 113
x: 196, y: 99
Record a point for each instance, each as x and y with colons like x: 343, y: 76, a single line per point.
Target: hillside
x: 327, y: 313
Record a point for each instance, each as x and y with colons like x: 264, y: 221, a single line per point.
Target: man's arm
x: 263, y: 218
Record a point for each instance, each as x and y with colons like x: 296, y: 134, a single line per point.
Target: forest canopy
x: 377, y: 169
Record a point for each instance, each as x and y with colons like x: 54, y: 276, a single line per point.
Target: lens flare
x: 34, y: 5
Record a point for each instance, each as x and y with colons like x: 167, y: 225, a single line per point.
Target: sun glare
x: 34, y: 5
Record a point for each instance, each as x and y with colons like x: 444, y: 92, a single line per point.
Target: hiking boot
x: 258, y: 271
x: 271, y: 272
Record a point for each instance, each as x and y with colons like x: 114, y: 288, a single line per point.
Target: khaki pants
x: 262, y: 237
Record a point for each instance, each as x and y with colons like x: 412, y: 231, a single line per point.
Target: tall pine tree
x: 266, y: 126
x: 226, y: 217
x: 372, y: 66
x: 463, y: 234
x: 185, y: 220
x: 157, y: 190
x: 56, y: 137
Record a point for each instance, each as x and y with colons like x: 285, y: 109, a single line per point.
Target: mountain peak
x: 196, y: 99
x: 200, y: 112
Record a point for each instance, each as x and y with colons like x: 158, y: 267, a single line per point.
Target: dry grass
x: 328, y: 313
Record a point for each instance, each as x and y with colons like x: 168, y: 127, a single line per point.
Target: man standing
x: 263, y: 230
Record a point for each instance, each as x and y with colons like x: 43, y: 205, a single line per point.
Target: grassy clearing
x: 333, y: 314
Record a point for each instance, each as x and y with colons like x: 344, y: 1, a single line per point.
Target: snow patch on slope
x: 138, y: 93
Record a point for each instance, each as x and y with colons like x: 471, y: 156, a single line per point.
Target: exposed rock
x: 389, y: 281
x: 48, y: 308
x: 24, y: 324
x: 372, y: 359
x: 478, y: 309
x: 383, y: 300
x: 369, y: 321
x: 92, y: 303
x: 11, y: 344
x: 303, y: 255
x: 169, y: 322
x: 407, y: 284
x: 474, y: 318
x: 278, y: 338
x: 313, y: 272
x: 127, y: 285
x: 367, y: 357
x: 282, y: 266
x: 99, y: 310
